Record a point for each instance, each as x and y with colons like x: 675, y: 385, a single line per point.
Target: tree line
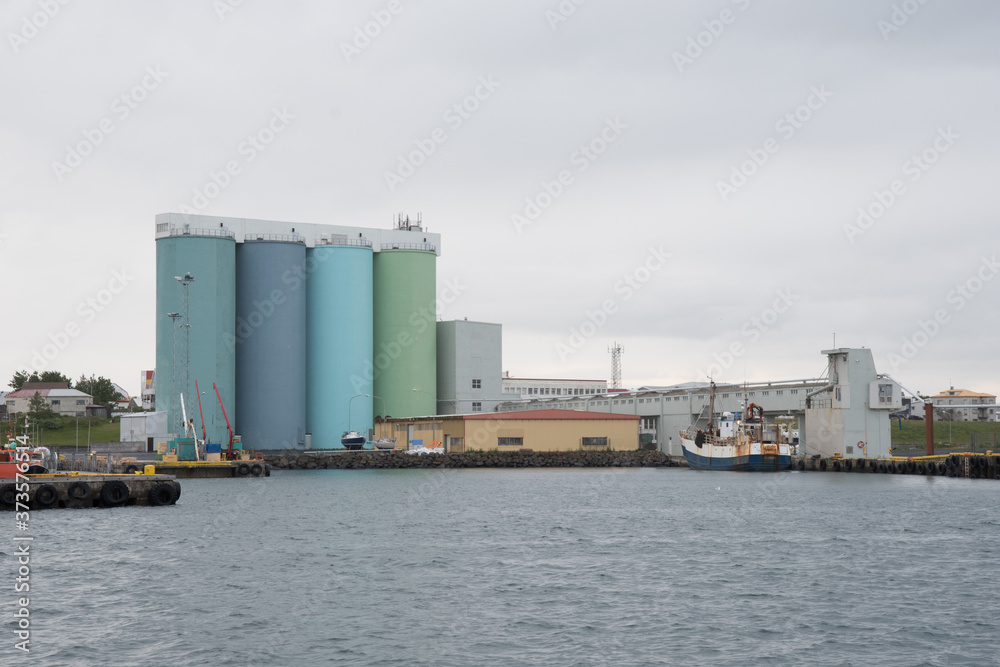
x: 100, y: 387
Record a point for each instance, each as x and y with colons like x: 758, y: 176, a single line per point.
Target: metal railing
x: 410, y: 246
x: 191, y: 231
x: 359, y: 243
x: 283, y: 238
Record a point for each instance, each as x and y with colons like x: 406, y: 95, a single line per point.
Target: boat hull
x: 741, y: 458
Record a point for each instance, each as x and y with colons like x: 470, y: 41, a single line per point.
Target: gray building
x: 468, y: 367
x: 852, y: 418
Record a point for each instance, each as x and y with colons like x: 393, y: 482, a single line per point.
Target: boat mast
x: 711, y: 402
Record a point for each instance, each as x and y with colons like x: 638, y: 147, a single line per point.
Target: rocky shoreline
x: 362, y: 460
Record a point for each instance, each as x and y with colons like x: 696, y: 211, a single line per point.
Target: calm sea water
x: 522, y: 567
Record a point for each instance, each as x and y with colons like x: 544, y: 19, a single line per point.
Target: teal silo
x: 205, y: 351
x: 338, y: 341
x: 405, y: 339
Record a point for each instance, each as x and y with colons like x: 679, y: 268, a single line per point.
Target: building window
x: 794, y: 391
x: 510, y: 442
x: 779, y: 392
x: 81, y: 402
x: 725, y: 396
x: 764, y: 393
x: 477, y: 384
x: 595, y: 442
x: 55, y: 401
x: 477, y: 406
x: 80, y: 414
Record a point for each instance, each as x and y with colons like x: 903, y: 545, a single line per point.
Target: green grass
x: 958, y: 434
x: 65, y: 435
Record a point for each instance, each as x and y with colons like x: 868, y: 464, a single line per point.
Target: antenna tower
x: 616, y: 365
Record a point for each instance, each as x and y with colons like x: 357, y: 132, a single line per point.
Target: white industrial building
x: 538, y: 387
x: 848, y: 413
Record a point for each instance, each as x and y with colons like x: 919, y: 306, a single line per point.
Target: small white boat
x: 385, y: 443
x: 352, y: 440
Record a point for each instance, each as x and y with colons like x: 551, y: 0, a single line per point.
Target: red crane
x: 204, y: 436
x: 229, y: 450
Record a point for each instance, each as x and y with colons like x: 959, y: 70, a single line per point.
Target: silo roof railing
x: 191, y: 231
x: 284, y: 238
x: 361, y: 243
x: 430, y: 247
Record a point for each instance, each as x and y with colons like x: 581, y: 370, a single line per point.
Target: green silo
x: 405, y: 339
x: 206, y: 351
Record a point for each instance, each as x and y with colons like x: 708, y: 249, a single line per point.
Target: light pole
x: 433, y: 417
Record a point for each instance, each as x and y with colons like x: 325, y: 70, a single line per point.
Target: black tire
x: 162, y: 494
x: 8, y: 495
x: 78, y: 491
x: 256, y: 470
x: 921, y: 469
x: 46, y: 496
x: 848, y: 465
x: 802, y: 465
x: 836, y: 466
x: 881, y: 467
x: 243, y: 469
x: 860, y: 463
x: 873, y: 466
x: 114, y: 493
x: 822, y: 464
x: 131, y: 469
x: 177, y: 488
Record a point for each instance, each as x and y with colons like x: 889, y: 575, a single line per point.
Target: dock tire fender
x: 177, y: 488
x: 115, y: 493
x: 836, y: 466
x: 131, y: 469
x: 942, y: 468
x: 822, y: 464
x: 881, y: 467
x: 46, y: 495
x: 256, y: 470
x: 920, y: 469
x: 8, y: 495
x: 162, y: 493
x: 860, y: 464
x: 78, y: 490
x: 848, y: 465
x: 243, y: 469
x: 802, y: 465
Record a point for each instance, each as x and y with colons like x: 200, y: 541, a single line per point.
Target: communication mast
x: 616, y: 365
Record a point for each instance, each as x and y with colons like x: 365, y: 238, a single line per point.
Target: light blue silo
x: 338, y: 342
x: 204, y: 352
x: 271, y: 343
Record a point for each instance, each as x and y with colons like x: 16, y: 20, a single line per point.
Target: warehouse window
x: 595, y: 442
x: 55, y: 401
x: 510, y: 442
x: 477, y: 384
x: 477, y: 406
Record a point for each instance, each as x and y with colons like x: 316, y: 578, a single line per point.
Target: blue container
x: 339, y: 341
x: 213, y: 448
x: 271, y: 344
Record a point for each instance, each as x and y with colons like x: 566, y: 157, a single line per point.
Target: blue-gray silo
x: 339, y: 341
x: 204, y: 352
x: 271, y: 341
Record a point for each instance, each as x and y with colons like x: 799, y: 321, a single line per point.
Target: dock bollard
x: 149, y: 470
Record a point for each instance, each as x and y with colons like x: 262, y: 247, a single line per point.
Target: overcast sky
x: 685, y: 176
